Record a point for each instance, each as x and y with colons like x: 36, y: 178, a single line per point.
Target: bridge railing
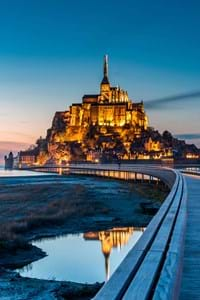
x: 191, y: 172
x: 126, y: 172
x: 152, y: 268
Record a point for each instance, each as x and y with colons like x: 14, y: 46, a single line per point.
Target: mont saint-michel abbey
x: 111, y: 107
x: 103, y: 123
x: 104, y: 127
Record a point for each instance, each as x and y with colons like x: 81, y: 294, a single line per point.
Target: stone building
x: 111, y: 107
x: 108, y: 113
x: 9, y: 161
x: 28, y: 157
x: 153, y: 145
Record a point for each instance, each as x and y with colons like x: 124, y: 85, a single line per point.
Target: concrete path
x: 190, y: 287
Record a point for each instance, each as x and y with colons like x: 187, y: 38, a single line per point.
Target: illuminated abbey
x: 104, y: 127
x: 105, y: 122
x: 111, y: 107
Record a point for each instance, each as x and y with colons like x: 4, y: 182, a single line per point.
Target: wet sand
x: 41, y: 207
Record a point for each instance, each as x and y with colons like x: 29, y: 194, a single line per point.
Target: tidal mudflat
x: 46, y: 206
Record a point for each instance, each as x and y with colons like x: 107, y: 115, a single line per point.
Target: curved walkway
x: 165, y: 262
x: 152, y: 269
x: 190, y: 287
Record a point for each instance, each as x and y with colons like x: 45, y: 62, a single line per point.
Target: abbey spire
x: 105, y: 70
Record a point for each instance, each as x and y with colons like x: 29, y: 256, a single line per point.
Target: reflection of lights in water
x: 114, y: 238
x: 96, y: 263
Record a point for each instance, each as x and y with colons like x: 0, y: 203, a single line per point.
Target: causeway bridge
x: 165, y: 262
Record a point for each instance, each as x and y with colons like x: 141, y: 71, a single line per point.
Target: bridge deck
x: 190, y: 287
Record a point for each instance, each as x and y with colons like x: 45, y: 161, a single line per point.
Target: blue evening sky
x: 51, y: 53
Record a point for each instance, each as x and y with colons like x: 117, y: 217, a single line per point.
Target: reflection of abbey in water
x: 114, y: 238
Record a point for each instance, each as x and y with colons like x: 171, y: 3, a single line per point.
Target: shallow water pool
x: 88, y: 257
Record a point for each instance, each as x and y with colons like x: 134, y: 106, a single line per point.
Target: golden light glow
x: 192, y: 156
x: 104, y: 126
x: 114, y: 238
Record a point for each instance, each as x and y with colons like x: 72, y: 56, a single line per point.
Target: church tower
x: 105, y: 84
